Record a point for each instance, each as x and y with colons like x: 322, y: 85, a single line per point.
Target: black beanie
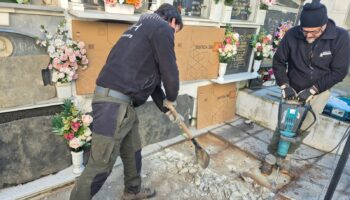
x: 314, y: 14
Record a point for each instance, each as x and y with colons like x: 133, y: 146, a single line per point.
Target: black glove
x: 288, y: 92
x: 306, y: 95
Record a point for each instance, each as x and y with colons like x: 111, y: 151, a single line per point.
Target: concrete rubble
x: 236, y: 151
x: 209, y: 183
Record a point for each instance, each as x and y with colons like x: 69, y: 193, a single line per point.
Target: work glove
x: 170, y: 115
x: 167, y: 103
x: 288, y: 92
x: 174, y: 119
x: 306, y: 95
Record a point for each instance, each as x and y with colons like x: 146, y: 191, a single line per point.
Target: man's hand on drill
x: 288, y: 92
x: 306, y: 95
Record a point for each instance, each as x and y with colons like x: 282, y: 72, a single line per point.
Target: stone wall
x: 21, y: 82
x: 20, y: 73
x: 29, y: 150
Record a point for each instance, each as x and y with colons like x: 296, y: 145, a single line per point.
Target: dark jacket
x: 323, y: 63
x: 141, y: 59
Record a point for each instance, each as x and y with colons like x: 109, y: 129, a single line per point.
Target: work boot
x: 268, y: 164
x: 144, y: 193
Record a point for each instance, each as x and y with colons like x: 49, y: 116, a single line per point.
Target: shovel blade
x: 202, y: 157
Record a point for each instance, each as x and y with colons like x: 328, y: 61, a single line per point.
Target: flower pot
x: 120, y: 9
x: 260, y: 17
x: 77, y: 161
x: 215, y: 11
x: 222, y: 71
x: 226, y: 16
x: 64, y: 90
x: 256, y: 66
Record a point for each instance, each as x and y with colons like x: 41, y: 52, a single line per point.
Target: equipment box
x: 338, y: 107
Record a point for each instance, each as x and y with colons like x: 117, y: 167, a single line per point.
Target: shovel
x: 202, y: 155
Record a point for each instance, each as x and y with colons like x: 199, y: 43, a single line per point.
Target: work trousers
x: 115, y: 133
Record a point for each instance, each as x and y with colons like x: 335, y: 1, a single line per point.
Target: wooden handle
x: 181, y: 123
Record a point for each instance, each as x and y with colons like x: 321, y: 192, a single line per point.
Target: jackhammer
x: 291, y: 115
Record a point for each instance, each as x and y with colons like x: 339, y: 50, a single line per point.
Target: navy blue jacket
x: 141, y: 59
x: 323, y: 63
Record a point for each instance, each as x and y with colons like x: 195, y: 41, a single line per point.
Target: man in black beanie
x: 310, y: 59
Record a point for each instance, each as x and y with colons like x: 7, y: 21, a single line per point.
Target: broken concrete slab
x: 230, y: 133
x: 253, y: 146
x: 251, y: 128
x: 264, y: 135
x: 313, y: 184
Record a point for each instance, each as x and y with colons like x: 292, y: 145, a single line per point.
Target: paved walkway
x: 241, y: 147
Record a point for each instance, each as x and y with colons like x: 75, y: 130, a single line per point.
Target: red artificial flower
x: 75, y: 126
x: 68, y: 136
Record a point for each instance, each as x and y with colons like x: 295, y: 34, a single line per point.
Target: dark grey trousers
x: 115, y: 133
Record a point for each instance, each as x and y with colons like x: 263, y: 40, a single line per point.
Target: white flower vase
x: 256, y: 66
x: 260, y: 17
x: 222, y: 71
x: 215, y: 11
x: 64, y: 90
x: 77, y: 161
x: 226, y: 17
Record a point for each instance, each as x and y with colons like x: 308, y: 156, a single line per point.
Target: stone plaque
x: 20, y: 45
x: 244, y: 51
x: 274, y: 19
x: 241, y: 9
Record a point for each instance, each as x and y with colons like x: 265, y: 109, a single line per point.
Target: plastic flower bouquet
x: 264, y: 4
x: 228, y: 49
x: 66, y: 55
x: 262, y: 46
x: 281, y: 31
x: 73, y: 126
x: 136, y: 3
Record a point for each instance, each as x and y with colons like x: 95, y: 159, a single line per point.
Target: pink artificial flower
x: 270, y: 72
x: 69, y: 52
x: 72, y: 58
x: 87, y: 119
x: 228, y: 40
x: 83, y: 51
x: 63, y: 57
x: 75, y: 126
x: 75, y: 76
x: 77, y: 54
x: 75, y: 143
x: 266, y: 40
x: 56, y: 61
x: 84, y: 61
x: 81, y: 45
x: 57, y: 66
x: 66, y: 64
x: 50, y: 66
